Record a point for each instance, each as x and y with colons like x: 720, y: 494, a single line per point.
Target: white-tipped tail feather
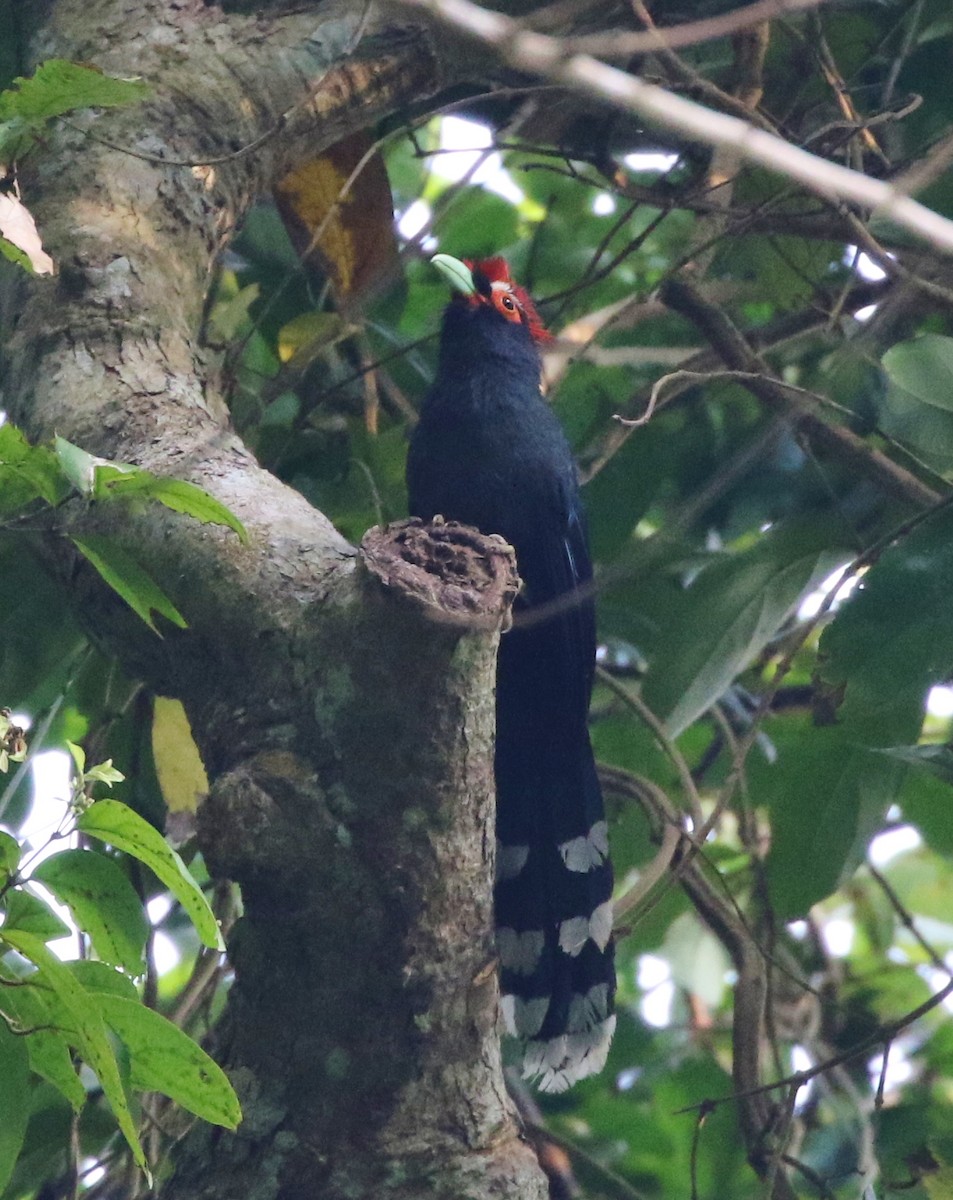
x: 559, y: 1063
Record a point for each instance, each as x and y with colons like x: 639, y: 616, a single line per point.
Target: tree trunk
x: 342, y: 700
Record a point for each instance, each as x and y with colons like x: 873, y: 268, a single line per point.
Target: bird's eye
x: 507, y: 305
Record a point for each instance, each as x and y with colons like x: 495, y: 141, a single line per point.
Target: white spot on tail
x: 586, y: 1011
x: 519, y: 952
x: 584, y: 853
x: 510, y: 860
x: 574, y: 933
x: 600, y: 924
x: 524, y: 1018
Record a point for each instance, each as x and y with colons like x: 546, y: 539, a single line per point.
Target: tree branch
x: 849, y: 449
x: 546, y: 56
x: 621, y: 44
x: 361, y: 1028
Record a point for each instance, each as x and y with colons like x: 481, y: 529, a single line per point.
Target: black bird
x: 489, y: 452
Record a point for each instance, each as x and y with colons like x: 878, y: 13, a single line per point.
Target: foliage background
x: 798, y: 731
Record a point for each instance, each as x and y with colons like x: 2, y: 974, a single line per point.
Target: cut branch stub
x: 456, y: 574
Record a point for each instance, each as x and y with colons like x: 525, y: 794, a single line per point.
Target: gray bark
x: 342, y: 699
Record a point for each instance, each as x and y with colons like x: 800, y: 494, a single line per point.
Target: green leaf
x: 184, y: 497
x: 86, y: 1026
x: 100, y: 479
x: 42, y: 1018
x: 728, y: 616
x: 78, y: 465
x: 58, y: 86
x: 30, y: 914
x: 113, y: 481
x: 104, y: 772
x: 938, y: 1183
x: 698, y: 960
x: 52, y: 1059
x: 14, y: 1099
x: 97, y: 977
x: 16, y: 493
x: 311, y: 333
x: 115, y: 823
x: 926, y: 801
x: 9, y: 854
x: 164, y: 1059
x: 785, y: 265
x: 923, y: 368
x: 938, y: 760
x: 103, y: 902
x: 14, y: 253
x: 229, y: 316
x: 78, y: 755
x: 39, y: 640
x: 924, y: 428
x: 921, y: 880
x: 892, y: 640
x: 478, y: 224
x: 620, y: 494
x: 125, y: 576
x: 917, y: 408
x: 37, y: 466
x: 827, y: 798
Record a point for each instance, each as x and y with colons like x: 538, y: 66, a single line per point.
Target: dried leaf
x: 19, y: 228
x: 350, y: 234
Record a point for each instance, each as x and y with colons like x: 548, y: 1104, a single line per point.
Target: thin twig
x: 687, y: 75
x: 621, y: 44
x: 653, y: 799
x: 913, y: 17
x: 547, y: 56
x: 715, y: 376
x: 738, y: 355
x: 610, y: 1183
x: 781, y: 1137
x: 651, y: 721
x: 907, y: 920
x: 881, y: 1037
x: 773, y: 337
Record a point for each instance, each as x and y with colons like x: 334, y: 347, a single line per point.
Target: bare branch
x: 546, y: 56
x: 850, y: 449
x: 620, y: 44
x: 880, y: 1037
x: 672, y: 752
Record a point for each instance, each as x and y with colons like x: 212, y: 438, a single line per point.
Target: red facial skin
x: 507, y: 298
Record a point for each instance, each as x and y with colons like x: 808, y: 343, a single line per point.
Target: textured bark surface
x: 342, y: 701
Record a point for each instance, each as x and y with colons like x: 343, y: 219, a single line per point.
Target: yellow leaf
x: 179, y: 766
x: 350, y: 232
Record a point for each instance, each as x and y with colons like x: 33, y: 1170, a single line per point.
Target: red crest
x: 496, y: 270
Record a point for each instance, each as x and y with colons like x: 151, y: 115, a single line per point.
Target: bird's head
x: 485, y: 284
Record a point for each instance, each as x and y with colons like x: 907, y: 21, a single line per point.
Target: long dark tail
x: 554, y: 878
